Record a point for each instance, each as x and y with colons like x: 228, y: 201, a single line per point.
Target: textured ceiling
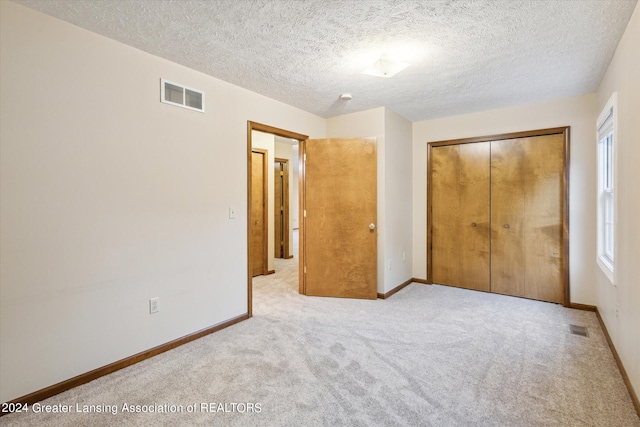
x: 466, y: 55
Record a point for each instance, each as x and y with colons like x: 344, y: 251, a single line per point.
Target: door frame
x: 285, y: 207
x: 265, y: 209
x: 565, y: 189
x: 251, y: 126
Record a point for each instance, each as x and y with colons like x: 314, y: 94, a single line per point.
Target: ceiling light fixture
x: 385, y: 68
x: 346, y: 97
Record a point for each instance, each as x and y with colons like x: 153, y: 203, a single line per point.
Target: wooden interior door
x: 258, y: 212
x: 527, y: 199
x: 338, y: 253
x: 282, y: 244
x: 278, y: 207
x: 460, y: 184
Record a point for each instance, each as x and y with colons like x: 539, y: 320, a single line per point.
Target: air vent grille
x: 181, y: 96
x: 579, y: 330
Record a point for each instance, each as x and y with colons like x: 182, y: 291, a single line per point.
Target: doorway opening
x: 268, y: 138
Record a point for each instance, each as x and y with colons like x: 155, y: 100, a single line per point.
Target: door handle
x: 372, y: 226
x: 473, y: 224
x: 506, y: 226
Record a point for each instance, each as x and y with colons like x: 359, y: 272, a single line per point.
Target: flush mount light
x: 346, y: 97
x: 385, y: 68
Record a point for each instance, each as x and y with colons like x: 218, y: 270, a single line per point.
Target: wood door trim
x: 394, y: 290
x: 302, y: 149
x: 565, y: 186
x: 429, y: 214
x: 265, y: 210
x: 276, y: 131
x: 402, y: 286
x: 499, y: 137
x: 565, y: 216
x: 286, y: 213
x: 583, y: 307
x: 251, y: 126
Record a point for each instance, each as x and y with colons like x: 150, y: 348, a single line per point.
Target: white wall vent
x: 181, y: 96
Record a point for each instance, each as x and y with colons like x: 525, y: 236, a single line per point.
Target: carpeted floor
x: 428, y: 356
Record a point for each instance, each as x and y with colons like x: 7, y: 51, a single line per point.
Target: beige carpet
x: 428, y: 356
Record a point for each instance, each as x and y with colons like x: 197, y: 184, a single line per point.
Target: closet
x: 497, y: 209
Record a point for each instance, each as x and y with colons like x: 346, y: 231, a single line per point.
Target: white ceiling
x: 467, y: 55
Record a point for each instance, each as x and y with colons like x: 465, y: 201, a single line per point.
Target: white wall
x: 577, y: 112
x: 266, y: 141
x: 367, y: 124
x: 398, y: 200
x: 109, y: 197
x: 622, y: 77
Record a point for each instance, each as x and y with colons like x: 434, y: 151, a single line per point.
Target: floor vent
x: 578, y: 330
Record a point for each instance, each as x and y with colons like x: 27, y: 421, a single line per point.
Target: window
x: 606, y: 187
x: 175, y: 94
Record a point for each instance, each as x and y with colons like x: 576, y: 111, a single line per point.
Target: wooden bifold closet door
x: 526, y: 217
x: 498, y: 215
x: 460, y: 211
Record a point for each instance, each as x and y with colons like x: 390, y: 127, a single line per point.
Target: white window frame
x: 184, y: 90
x: 607, y: 132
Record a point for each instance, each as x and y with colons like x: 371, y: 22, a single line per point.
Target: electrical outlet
x: 154, y: 305
x: 617, y: 311
x: 389, y: 265
x: 232, y: 212
x: 404, y: 256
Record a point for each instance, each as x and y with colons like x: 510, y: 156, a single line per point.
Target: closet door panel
x: 507, y: 217
x: 474, y: 184
x: 460, y: 215
x: 543, y: 190
x: 445, y: 211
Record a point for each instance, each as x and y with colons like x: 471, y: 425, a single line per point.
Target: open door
x: 259, y: 226
x: 338, y: 252
x: 281, y: 208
